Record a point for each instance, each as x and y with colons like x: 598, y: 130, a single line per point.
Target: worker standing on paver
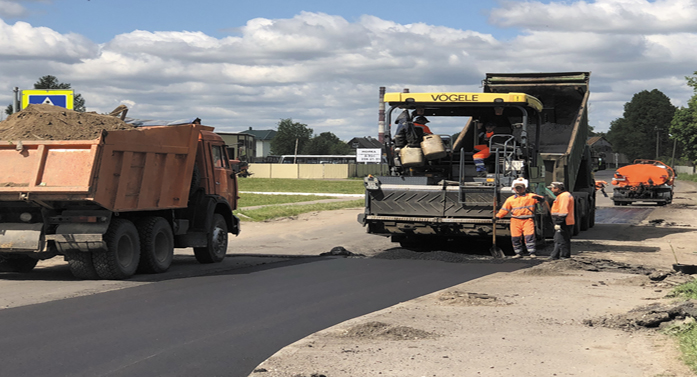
x: 522, y: 208
x: 482, y: 147
x: 563, y: 219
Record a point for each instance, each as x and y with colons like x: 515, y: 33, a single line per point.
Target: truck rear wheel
x: 81, y: 265
x: 591, y: 217
x: 19, y: 263
x: 120, y: 259
x: 217, y: 242
x: 156, y: 245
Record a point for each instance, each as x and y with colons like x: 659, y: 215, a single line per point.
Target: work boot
x: 481, y: 174
x: 515, y: 256
x: 533, y: 256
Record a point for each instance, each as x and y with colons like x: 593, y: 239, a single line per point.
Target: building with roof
x: 263, y: 141
x: 364, y: 142
x: 602, y: 149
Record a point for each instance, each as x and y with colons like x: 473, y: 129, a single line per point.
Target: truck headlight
x: 25, y: 216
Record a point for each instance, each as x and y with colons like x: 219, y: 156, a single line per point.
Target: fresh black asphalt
x: 222, y: 325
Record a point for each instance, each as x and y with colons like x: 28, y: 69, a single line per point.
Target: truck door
x: 224, y: 178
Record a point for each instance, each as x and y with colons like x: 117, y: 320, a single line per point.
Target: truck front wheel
x: 81, y: 265
x: 217, y: 242
x: 120, y: 259
x: 156, y: 245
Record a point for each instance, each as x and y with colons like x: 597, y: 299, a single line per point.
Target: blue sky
x: 249, y: 64
x: 220, y: 18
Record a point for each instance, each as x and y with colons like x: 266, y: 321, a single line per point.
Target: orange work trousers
x: 523, y: 230
x: 482, y: 152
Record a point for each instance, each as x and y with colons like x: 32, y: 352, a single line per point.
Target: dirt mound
x: 47, y: 122
x: 649, y: 316
x: 380, y: 330
x: 469, y: 299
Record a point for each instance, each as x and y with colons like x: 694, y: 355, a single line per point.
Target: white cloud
x: 22, y: 41
x: 600, y: 16
x: 325, y: 71
x: 11, y: 9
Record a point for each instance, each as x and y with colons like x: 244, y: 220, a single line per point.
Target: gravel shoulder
x: 557, y: 318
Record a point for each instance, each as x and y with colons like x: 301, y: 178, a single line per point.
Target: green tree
x: 645, y: 125
x: 287, y: 135
x: 683, y: 128
x: 326, y: 143
x: 51, y: 82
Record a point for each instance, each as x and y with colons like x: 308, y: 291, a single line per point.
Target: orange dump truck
x: 643, y: 181
x: 117, y: 204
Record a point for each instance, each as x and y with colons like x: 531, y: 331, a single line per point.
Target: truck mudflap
x: 21, y: 237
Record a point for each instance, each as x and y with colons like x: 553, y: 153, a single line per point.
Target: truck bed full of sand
x: 48, y: 122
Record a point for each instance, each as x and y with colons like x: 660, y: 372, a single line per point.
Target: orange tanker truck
x: 117, y: 204
x: 643, y: 181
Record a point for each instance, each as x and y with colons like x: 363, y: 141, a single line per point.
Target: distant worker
x: 563, y: 219
x: 600, y: 185
x: 522, y: 209
x: 420, y: 121
x: 482, y: 147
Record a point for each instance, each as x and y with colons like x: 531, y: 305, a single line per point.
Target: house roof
x: 364, y: 142
x: 263, y: 135
x: 594, y: 139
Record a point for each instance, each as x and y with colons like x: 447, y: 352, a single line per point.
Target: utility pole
x: 675, y: 144
x: 657, y: 140
x: 295, y: 157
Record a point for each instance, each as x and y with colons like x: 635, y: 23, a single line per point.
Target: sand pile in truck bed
x: 47, y: 122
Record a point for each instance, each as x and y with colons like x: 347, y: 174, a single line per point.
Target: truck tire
x: 120, y: 259
x: 217, y: 242
x: 156, y: 245
x: 591, y: 218
x: 81, y: 265
x: 585, y: 221
x: 20, y: 263
x: 576, y: 228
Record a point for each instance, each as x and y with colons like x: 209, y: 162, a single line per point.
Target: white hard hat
x: 520, y: 181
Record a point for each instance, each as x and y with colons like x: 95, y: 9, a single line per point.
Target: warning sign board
x: 55, y: 97
x: 368, y: 155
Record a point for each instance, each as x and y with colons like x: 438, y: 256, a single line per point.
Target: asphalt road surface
x: 219, y: 325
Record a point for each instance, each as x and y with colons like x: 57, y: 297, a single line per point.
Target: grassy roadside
x: 277, y: 204
x: 687, y: 333
x: 687, y: 177
x: 251, y: 200
x: 301, y: 185
x: 277, y: 211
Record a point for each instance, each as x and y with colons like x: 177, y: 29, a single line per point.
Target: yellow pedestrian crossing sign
x: 55, y: 97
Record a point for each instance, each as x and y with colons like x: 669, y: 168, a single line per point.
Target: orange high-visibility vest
x: 520, y: 207
x: 563, y: 206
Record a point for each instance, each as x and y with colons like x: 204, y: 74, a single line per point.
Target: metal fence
x: 316, y: 171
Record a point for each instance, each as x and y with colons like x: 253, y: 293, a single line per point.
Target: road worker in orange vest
x: 521, y: 206
x: 482, y: 147
x: 563, y: 219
